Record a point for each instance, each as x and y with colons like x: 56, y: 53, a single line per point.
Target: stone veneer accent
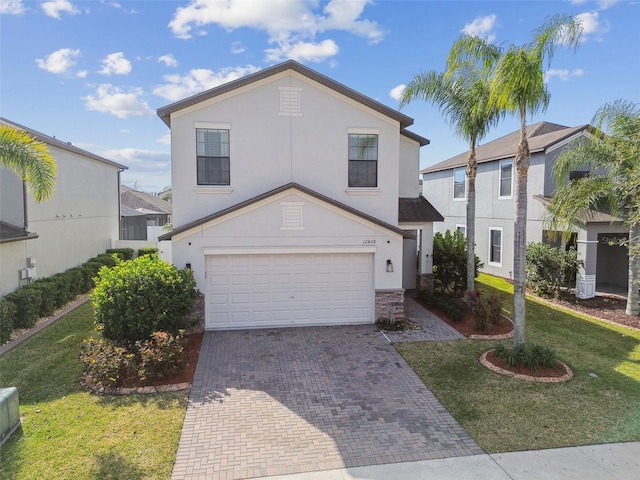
x: 390, y: 303
x: 425, y: 282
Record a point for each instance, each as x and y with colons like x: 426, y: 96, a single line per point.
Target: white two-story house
x: 296, y: 202
x: 80, y: 220
x: 606, y: 265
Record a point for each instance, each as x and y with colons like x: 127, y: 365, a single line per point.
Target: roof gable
x: 165, y: 112
x: 135, y: 199
x: 276, y: 191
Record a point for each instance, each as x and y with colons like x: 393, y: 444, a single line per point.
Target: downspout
x: 24, y: 205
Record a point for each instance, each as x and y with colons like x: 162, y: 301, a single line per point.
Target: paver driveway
x: 267, y: 402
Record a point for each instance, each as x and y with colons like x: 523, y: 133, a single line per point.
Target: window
x: 462, y: 229
x: 495, y: 246
x: 459, y: 177
x: 363, y: 160
x: 212, y: 150
x: 578, y: 174
x: 506, y: 178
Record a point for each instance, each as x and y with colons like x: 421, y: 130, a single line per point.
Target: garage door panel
x: 245, y: 291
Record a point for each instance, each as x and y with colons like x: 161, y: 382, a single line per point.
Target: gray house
x: 444, y: 185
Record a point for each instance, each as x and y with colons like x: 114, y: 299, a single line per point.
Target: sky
x: 93, y: 73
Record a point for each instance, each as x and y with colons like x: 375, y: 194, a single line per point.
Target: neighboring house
x: 156, y: 211
x: 295, y: 201
x: 78, y: 222
x: 445, y: 186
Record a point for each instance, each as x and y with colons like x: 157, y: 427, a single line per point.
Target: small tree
x: 139, y: 297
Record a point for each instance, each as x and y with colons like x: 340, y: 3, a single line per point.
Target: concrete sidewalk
x: 616, y: 461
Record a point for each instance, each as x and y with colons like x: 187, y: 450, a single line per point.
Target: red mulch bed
x: 554, y: 372
x: 467, y: 326
x: 186, y: 376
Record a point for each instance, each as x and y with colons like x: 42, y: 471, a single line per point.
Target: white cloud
x: 292, y: 25
x: 115, y: 64
x: 238, y: 47
x: 11, y: 7
x: 110, y: 99
x: 82, y: 74
x: 303, y: 51
x: 602, y: 4
x: 591, y: 25
x: 563, y: 74
x: 54, y: 8
x: 482, y: 27
x: 199, y: 80
x: 59, y: 61
x: 168, y: 60
x: 396, y: 92
x: 165, y: 139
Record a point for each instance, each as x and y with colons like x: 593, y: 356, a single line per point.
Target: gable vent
x: 292, y: 216
x: 290, y: 101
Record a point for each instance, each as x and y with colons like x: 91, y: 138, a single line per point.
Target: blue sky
x: 94, y: 72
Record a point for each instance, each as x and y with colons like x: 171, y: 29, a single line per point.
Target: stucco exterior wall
x: 11, y: 210
x: 78, y: 222
x: 409, y: 167
x: 268, y: 150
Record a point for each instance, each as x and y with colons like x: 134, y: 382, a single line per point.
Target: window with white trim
x: 461, y: 228
x: 212, y: 156
x: 495, y: 246
x: 363, y: 160
x: 459, y: 187
x: 506, y: 179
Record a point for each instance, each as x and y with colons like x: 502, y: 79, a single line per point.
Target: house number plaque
x: 368, y: 242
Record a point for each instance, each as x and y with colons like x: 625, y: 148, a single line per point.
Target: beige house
x: 296, y: 201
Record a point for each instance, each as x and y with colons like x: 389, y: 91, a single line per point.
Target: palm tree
x: 29, y: 159
x: 462, y: 95
x: 517, y: 86
x: 615, y: 151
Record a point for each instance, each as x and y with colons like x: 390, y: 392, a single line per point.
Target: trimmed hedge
x: 27, y: 302
x: 8, y: 312
x: 122, y: 253
x: 147, y: 251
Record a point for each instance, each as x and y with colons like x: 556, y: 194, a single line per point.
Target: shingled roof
x: 140, y: 200
x: 165, y: 112
x: 413, y: 210
x: 541, y: 136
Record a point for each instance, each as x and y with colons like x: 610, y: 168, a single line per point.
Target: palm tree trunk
x: 634, y: 270
x: 522, y: 160
x: 472, y: 168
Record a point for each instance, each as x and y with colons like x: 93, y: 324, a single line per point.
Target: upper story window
x: 212, y: 151
x: 506, y: 179
x: 363, y: 160
x: 459, y: 178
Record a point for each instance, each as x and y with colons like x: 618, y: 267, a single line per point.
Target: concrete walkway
x: 617, y: 461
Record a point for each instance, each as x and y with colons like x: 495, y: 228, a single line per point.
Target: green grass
x: 600, y: 405
x: 70, y: 433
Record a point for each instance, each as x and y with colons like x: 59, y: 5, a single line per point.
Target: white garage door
x: 254, y: 291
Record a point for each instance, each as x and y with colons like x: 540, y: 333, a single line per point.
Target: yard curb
x: 49, y: 320
x: 494, y: 368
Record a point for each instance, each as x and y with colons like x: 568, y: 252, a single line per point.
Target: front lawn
x: 70, y: 433
x: 599, y: 405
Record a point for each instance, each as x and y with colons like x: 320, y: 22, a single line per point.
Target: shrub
x: 147, y: 251
x: 139, y: 297
x: 122, y: 253
x: 106, y: 363
x: 450, y: 262
x: 487, y: 310
x: 549, y: 268
x: 162, y: 355
x: 106, y: 260
x: 532, y: 356
x: 7, y: 317
x: 451, y: 305
x: 48, y: 296
x: 27, y: 302
x: 109, y: 365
